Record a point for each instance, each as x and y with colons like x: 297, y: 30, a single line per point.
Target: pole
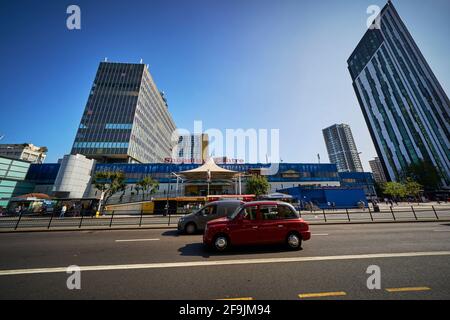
x: 348, y: 215
x: 140, y: 220
x: 435, y: 213
x: 370, y: 212
x: 393, y: 215
x: 81, y: 220
x: 51, y: 218
x: 324, y: 215
x: 240, y: 184
x: 112, y: 217
x: 167, y: 203
x: 414, y: 212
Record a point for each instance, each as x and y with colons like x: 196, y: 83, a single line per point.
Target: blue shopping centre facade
x: 289, y: 175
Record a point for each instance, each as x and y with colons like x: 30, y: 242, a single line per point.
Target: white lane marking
x: 224, y: 262
x: 446, y: 230
x: 136, y: 240
x: 319, y: 234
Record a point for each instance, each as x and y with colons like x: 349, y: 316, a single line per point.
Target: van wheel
x: 293, y: 241
x: 190, y: 228
x: 221, y: 243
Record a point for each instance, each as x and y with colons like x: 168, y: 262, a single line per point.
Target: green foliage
x: 109, y: 183
x: 257, y: 185
x: 394, y: 189
x: 424, y: 173
x: 413, y: 188
x: 148, y: 185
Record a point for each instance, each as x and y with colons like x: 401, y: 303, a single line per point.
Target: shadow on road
x: 170, y: 233
x: 199, y: 250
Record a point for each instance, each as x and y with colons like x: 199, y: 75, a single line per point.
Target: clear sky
x: 231, y: 63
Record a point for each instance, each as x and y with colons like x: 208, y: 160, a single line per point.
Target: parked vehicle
x: 258, y: 222
x: 197, y: 220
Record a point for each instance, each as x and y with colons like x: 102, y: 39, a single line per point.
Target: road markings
x: 224, y: 262
x: 320, y: 234
x: 136, y: 240
x: 322, y: 294
x: 445, y: 230
x: 408, y: 289
x: 243, y: 298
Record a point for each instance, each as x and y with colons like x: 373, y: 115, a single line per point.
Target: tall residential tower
x: 126, y: 118
x: 405, y: 107
x: 341, y: 148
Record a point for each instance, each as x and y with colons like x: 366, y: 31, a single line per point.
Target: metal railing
x: 137, y: 219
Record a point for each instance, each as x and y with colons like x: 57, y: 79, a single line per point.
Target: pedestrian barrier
x: 138, y: 219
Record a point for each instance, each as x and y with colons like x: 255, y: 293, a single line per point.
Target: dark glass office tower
x: 405, y: 107
x: 126, y: 118
x: 341, y: 148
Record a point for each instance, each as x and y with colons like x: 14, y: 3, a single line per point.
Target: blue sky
x: 232, y: 64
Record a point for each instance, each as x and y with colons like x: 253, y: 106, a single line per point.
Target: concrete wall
x: 74, y: 176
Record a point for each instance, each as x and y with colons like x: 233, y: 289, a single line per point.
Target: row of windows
x: 100, y: 145
x: 127, y: 126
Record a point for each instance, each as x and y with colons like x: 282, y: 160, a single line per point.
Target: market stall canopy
x: 209, y: 170
x: 32, y: 196
x: 278, y: 196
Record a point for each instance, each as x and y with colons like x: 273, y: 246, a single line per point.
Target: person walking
x: 63, y: 211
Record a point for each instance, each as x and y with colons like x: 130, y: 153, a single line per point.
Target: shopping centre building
x: 192, y: 179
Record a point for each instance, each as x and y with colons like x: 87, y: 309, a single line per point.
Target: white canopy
x: 209, y: 170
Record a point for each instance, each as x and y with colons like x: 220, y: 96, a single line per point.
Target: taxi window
x: 269, y: 212
x: 285, y: 212
x: 249, y: 213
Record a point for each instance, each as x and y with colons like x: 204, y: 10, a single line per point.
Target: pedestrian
x: 63, y: 211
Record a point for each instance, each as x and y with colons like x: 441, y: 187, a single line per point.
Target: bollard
x: 140, y: 220
x: 414, y: 212
x: 393, y: 215
x: 112, y: 217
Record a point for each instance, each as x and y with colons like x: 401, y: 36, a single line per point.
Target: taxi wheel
x: 221, y: 243
x: 294, y: 241
x: 190, y: 228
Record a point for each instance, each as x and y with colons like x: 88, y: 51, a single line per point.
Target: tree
x: 257, y: 185
x: 394, y: 189
x: 413, y: 188
x: 109, y: 183
x: 148, y: 185
x: 424, y: 173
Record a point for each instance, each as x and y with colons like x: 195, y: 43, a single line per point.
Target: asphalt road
x: 414, y: 260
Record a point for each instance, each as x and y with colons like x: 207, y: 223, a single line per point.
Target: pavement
x: 127, y: 221
x: 160, y: 264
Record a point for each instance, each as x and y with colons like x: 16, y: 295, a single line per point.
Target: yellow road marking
x: 243, y: 298
x: 322, y: 294
x: 408, y: 289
